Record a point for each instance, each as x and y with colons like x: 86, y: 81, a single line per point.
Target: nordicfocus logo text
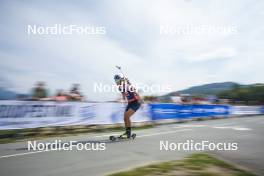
x: 59, y: 145
x: 60, y: 29
x: 145, y: 88
x: 190, y: 145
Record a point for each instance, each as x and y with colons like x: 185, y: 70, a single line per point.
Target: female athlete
x: 133, y: 99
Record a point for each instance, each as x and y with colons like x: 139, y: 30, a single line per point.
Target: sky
x: 133, y: 40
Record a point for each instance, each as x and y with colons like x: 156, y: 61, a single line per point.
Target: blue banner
x: 262, y: 110
x: 175, y: 111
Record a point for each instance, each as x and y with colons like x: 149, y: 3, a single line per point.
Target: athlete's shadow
x: 106, y: 141
x: 93, y: 141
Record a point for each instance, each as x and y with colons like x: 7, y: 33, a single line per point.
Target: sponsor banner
x: 246, y: 110
x: 175, y: 111
x: 32, y: 114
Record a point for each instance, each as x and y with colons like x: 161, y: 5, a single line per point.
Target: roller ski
x: 124, y: 136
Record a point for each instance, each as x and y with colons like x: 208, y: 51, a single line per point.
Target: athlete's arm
x: 124, y: 97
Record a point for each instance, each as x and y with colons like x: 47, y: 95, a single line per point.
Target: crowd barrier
x: 32, y: 114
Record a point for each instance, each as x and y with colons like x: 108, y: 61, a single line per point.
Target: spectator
x: 60, y: 96
x: 75, y: 94
x: 39, y: 91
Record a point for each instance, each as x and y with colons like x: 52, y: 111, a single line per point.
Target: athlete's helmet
x: 118, y: 78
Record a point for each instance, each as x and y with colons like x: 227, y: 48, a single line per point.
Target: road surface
x: 247, y: 132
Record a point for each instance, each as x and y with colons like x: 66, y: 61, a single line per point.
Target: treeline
x: 250, y: 95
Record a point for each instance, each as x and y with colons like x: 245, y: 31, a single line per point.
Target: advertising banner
x: 32, y: 114
x: 176, y: 111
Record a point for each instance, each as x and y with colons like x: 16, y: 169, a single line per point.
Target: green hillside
x: 208, y: 89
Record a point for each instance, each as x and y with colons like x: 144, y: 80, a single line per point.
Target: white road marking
x: 214, y: 125
x: 223, y: 124
x: 221, y: 127
x: 166, y: 132
x: 112, y: 134
x: 26, y: 153
x: 241, y: 129
x: 190, y: 126
x: 233, y: 128
x: 178, y: 127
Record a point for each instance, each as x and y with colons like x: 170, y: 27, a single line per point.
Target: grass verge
x: 201, y: 164
x: 8, y: 136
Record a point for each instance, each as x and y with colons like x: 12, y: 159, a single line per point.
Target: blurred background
x: 178, y: 43
x: 205, y: 56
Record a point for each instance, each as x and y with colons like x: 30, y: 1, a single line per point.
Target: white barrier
x: 32, y: 114
x: 246, y: 110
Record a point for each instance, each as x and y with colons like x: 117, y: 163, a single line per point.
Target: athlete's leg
x: 127, y: 120
x: 127, y: 116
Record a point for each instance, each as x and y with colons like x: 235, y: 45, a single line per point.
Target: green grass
x: 201, y: 164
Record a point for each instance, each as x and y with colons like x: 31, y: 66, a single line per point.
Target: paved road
x: 248, y: 132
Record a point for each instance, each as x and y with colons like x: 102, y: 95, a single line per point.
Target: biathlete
x: 133, y: 99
